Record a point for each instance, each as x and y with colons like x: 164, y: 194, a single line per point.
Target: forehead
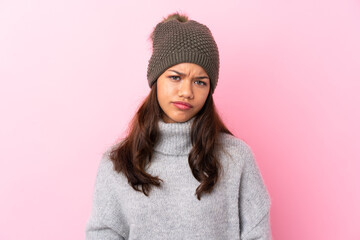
x: 188, y: 68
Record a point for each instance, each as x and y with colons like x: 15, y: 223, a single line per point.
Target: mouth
x: 182, y: 105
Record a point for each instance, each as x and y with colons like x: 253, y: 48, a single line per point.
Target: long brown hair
x: 135, y: 152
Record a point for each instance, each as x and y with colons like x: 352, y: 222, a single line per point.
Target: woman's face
x: 182, y: 91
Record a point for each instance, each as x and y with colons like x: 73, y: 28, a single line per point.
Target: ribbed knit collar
x: 174, y: 138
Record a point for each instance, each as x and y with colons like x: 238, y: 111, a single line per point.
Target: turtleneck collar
x: 174, y: 138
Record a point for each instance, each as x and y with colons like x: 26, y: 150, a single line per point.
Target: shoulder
x: 252, y: 182
x: 106, y: 169
x: 235, y: 146
x: 238, y: 156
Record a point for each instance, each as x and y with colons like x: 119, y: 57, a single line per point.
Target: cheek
x: 160, y: 97
x: 202, y: 98
x: 165, y: 92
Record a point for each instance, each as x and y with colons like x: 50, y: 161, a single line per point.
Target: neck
x: 174, y: 138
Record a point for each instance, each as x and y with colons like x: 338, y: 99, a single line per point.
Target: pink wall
x: 73, y: 72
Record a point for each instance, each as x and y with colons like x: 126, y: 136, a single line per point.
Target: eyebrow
x: 183, y: 74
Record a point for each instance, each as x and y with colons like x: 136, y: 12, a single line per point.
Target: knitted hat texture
x: 177, y: 42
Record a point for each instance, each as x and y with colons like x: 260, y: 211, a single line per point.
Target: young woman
x: 180, y: 173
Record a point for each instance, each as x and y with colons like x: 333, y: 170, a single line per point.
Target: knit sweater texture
x: 237, y: 208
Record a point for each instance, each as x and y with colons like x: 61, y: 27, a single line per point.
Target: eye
x: 174, y: 77
x: 202, y: 83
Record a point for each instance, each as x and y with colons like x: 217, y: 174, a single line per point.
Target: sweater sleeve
x: 254, y: 202
x: 104, y: 222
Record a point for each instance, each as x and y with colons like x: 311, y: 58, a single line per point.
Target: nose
x: 185, y: 89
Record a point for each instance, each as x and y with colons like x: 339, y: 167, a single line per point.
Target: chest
x: 174, y: 206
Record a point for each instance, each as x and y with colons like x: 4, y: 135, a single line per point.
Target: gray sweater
x: 237, y: 208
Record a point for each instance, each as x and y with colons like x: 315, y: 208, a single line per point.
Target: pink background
x: 73, y: 73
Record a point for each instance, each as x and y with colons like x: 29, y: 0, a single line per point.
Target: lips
x: 182, y: 105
